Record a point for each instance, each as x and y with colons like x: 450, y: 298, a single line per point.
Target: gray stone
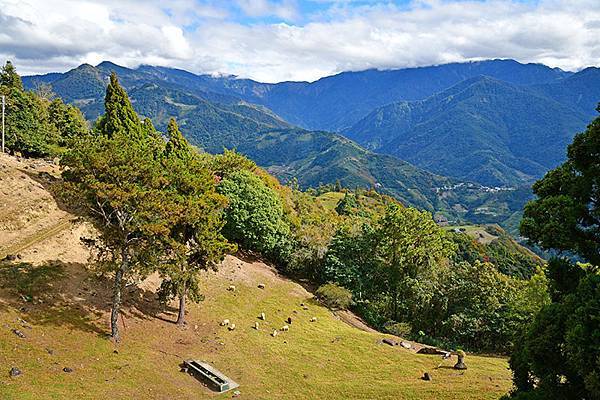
x: 67, y: 369
x: 406, y: 345
x: 461, y: 361
x: 19, y: 333
x: 14, y: 372
x: 390, y: 342
x: 426, y: 376
x: 431, y: 350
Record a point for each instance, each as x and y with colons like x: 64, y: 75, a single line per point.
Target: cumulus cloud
x: 285, y: 9
x: 275, y: 43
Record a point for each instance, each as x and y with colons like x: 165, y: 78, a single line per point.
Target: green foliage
x: 503, y: 252
x: 27, y: 128
x: 481, y: 308
x: 398, y: 269
x: 119, y: 116
x: 401, y: 329
x: 36, y: 126
x: 67, y: 120
x: 565, y: 216
x: 231, y: 161
x: 347, y: 205
x: 9, y: 77
x: 114, y: 178
x: 195, y: 242
x: 255, y: 215
x: 409, y: 249
x: 559, y: 355
x: 334, y: 296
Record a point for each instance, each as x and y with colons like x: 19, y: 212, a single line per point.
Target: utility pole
x: 3, y: 105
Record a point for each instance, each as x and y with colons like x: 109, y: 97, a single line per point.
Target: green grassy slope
x: 326, y: 359
x: 63, y: 311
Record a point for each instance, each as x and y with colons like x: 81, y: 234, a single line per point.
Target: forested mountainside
x: 448, y: 119
x: 482, y: 130
x: 214, y: 121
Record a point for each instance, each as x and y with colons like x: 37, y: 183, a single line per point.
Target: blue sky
x: 275, y: 40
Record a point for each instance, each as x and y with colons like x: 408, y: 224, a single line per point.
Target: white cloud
x: 41, y: 36
x: 285, y: 9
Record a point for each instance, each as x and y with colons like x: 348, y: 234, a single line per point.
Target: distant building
x: 441, y: 220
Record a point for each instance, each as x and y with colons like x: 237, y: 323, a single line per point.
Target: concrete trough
x: 214, y: 378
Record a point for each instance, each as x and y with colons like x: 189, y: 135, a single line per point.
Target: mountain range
x: 419, y: 134
x: 482, y: 129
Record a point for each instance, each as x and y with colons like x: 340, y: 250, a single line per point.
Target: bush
x: 401, y: 329
x: 334, y: 296
x: 255, y: 216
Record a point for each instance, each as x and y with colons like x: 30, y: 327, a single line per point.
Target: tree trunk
x: 181, y: 314
x: 116, y: 301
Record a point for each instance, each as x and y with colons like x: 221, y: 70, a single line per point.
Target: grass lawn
x: 326, y: 359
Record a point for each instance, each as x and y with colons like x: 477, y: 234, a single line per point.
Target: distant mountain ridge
x: 215, y: 121
x: 482, y: 129
x: 495, y: 122
x: 336, y: 102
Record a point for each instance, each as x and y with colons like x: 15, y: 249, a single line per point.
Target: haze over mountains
x: 495, y: 123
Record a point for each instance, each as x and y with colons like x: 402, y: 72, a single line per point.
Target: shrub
x: 401, y: 329
x: 334, y: 296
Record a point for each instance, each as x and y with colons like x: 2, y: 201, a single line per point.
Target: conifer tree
x: 10, y: 78
x: 195, y: 241
x: 115, y: 179
x: 27, y: 127
x: 119, y: 116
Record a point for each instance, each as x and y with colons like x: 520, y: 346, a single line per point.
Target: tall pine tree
x: 114, y: 177
x: 195, y: 241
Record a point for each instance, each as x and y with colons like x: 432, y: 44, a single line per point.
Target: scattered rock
x: 67, y: 370
x: 10, y: 257
x: 231, y: 288
x: 274, y: 333
x: 426, y: 376
x: 406, y: 345
x: 313, y: 319
x: 431, y: 350
x: 256, y: 325
x: 231, y: 327
x: 225, y: 322
x: 236, y: 393
x: 19, y: 333
x: 262, y: 316
x: 14, y: 372
x: 261, y: 285
x: 50, y: 351
x: 289, y: 320
x: 391, y: 342
x: 461, y: 360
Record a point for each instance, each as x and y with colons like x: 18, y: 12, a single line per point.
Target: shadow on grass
x: 65, y: 294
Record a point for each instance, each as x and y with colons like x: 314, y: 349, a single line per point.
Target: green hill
x: 62, y: 311
x: 481, y: 130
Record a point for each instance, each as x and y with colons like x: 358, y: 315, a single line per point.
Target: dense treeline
x: 159, y: 205
x: 558, y: 355
x: 37, y: 124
